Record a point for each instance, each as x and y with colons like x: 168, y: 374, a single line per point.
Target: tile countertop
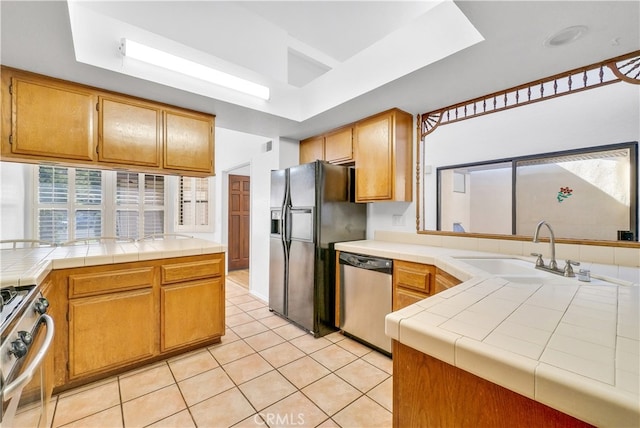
x: 25, y: 266
x: 574, y: 346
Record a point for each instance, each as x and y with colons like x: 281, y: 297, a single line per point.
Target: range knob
x: 41, y: 305
x: 26, y: 337
x: 18, y: 348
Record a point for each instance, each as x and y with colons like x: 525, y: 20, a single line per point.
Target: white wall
x: 240, y: 152
x: 14, y: 214
x: 601, y: 116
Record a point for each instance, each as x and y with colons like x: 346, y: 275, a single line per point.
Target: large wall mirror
x: 570, y: 160
x: 588, y: 193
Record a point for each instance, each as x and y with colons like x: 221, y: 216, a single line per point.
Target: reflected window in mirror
x: 485, y: 206
x: 586, y: 194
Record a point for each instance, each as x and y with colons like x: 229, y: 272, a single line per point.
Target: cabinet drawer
x: 413, y: 275
x: 91, y: 284
x: 192, y: 270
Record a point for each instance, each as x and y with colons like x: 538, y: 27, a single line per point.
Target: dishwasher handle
x: 367, y: 262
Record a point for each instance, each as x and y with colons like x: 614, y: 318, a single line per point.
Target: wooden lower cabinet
x: 428, y: 392
x: 111, y: 318
x: 179, y: 302
x: 112, y: 330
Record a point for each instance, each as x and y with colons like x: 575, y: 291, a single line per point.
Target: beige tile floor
x: 265, y: 372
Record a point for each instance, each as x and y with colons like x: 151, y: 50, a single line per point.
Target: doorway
x: 238, y: 240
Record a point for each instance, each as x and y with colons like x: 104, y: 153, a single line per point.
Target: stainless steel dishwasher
x: 365, y: 298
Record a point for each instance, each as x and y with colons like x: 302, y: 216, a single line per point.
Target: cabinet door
x: 383, y: 157
x: 130, y: 132
x: 444, y: 281
x: 188, y: 142
x: 374, y: 159
x: 110, y: 331
x: 191, y: 312
x: 311, y: 149
x: 338, y: 146
x: 51, y: 119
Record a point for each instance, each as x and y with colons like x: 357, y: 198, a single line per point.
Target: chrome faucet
x: 553, y: 265
x: 552, y: 242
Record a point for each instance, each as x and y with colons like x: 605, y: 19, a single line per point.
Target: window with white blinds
x: 74, y: 203
x: 69, y: 203
x: 139, y: 204
x: 52, y: 200
x: 193, y: 204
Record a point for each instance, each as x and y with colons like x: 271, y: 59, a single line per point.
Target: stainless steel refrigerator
x: 311, y: 210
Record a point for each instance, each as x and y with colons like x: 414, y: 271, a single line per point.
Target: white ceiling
x: 328, y: 63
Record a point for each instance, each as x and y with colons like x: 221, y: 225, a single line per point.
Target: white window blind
x: 127, y: 205
x: 81, y: 203
x: 153, y: 204
x: 140, y: 204
x: 88, y: 196
x: 53, y: 211
x: 193, y: 203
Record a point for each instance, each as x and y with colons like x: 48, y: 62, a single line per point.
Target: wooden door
x: 239, y: 187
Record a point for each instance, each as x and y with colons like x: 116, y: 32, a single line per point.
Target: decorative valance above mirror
x: 583, y: 110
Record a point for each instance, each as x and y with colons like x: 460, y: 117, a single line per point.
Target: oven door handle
x: 11, y: 389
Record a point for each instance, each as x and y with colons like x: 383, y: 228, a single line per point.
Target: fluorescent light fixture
x: 171, y: 62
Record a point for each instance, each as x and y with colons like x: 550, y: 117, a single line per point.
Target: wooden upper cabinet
x: 334, y: 147
x: 338, y: 146
x: 383, y: 157
x: 311, y: 149
x: 130, y: 132
x: 188, y: 141
x: 51, y: 119
x: 47, y: 119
